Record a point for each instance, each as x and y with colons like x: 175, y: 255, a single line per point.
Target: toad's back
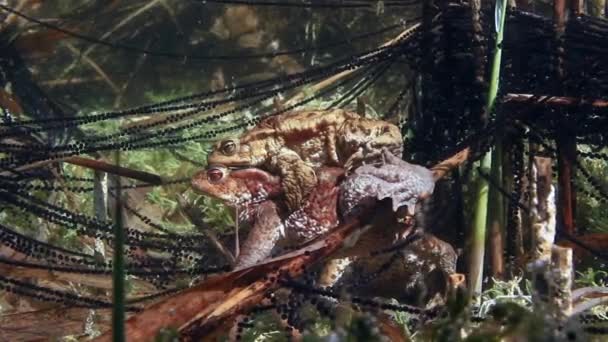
x: 300, y: 126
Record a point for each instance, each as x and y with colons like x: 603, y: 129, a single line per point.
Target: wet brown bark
x: 565, y: 138
x: 543, y: 213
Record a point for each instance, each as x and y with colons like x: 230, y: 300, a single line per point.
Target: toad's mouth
x: 242, y: 202
x: 238, y: 166
x: 229, y: 161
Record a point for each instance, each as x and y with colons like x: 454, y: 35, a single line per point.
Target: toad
x: 417, y: 272
x: 248, y: 190
x: 292, y: 145
x: 258, y: 197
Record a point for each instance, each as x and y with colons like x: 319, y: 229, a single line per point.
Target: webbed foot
x: 364, y: 155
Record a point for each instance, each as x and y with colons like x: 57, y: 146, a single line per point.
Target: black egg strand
x: 38, y: 249
x: 355, y: 300
x: 213, y: 133
x: 364, y: 279
x: 513, y: 220
x: 368, y: 78
x: 253, y: 90
x: 82, y: 189
x: 133, y: 241
x: 47, y: 294
x: 246, y: 123
x: 81, y: 147
x: 54, y: 256
x: 340, y: 65
x: 136, y: 270
x: 101, y: 229
x: 595, y: 184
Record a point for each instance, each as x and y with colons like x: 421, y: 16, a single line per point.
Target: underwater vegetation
x: 264, y: 170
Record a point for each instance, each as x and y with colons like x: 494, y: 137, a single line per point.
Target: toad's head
x: 236, y: 187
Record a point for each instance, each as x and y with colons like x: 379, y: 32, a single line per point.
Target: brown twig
x: 95, y: 165
x: 553, y: 101
x: 115, y: 169
x: 70, y: 81
x: 565, y: 139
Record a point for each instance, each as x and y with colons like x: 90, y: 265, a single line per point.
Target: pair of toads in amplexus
x: 296, y: 176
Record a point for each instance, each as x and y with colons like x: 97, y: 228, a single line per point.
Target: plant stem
x: 481, y: 208
x: 118, y: 269
x: 496, y: 218
x: 479, y: 229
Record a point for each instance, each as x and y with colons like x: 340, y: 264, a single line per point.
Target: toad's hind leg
x: 263, y: 236
x: 297, y: 177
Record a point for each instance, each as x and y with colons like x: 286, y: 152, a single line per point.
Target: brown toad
x: 257, y: 195
x: 292, y: 145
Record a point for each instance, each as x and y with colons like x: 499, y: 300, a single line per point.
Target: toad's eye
x: 229, y: 147
x: 215, y: 175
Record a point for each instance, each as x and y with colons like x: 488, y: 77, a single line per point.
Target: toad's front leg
x: 364, y: 140
x: 371, y: 152
x: 297, y: 177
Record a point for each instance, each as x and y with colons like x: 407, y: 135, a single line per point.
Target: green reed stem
x: 481, y: 208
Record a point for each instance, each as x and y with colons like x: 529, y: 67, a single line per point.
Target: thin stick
x: 115, y: 169
x: 118, y: 269
x: 98, y: 165
x: 565, y: 139
x: 237, y: 248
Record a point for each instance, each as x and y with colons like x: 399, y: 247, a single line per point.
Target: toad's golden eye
x: 215, y: 175
x: 229, y: 147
